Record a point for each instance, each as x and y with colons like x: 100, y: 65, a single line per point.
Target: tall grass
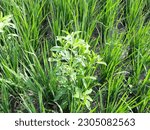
x: 33, y: 32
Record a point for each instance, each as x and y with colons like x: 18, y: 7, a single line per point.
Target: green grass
x: 75, y: 56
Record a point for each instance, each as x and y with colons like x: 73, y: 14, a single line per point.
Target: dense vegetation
x: 75, y: 56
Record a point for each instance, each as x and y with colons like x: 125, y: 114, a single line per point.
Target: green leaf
x: 57, y: 48
x: 61, y: 92
x: 89, y: 91
x: 88, y: 105
x: 89, y: 98
x: 90, y: 77
x: 78, y: 93
x: 101, y: 62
